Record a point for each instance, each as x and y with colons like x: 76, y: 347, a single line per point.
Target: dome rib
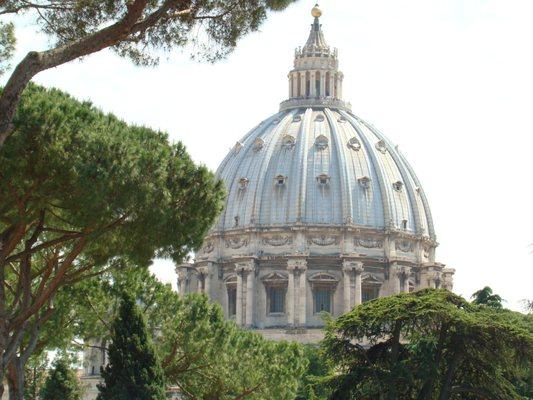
x: 375, y: 167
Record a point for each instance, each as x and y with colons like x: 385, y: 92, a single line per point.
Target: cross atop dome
x: 315, y: 80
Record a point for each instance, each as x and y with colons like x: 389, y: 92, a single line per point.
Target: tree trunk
x: 15, y: 379
x: 429, y: 385
x: 395, y: 352
x: 447, y: 380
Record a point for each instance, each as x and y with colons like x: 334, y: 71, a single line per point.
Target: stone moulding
x: 369, y: 243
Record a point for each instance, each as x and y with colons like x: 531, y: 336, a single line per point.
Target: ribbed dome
x: 320, y: 166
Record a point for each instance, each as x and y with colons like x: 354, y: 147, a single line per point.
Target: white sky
x: 450, y: 81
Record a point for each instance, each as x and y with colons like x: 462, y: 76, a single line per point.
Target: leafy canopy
x: 137, y: 29
x: 81, y: 190
x: 429, y: 344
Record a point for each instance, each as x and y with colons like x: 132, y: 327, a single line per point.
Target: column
x: 312, y: 82
x: 200, y: 283
x: 290, y: 85
x: 339, y: 86
x: 332, y: 84
x: 250, y: 278
x: 358, y: 284
x: 404, y: 285
x: 394, y: 279
x: 302, y: 320
x: 290, y: 299
x: 207, y: 282
x: 302, y: 84
x: 347, y: 292
x: 322, y: 83
x: 238, y: 312
x: 181, y: 283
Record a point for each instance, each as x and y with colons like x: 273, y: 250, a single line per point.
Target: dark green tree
x: 311, y: 385
x: 62, y: 383
x: 487, y: 297
x: 133, y: 371
x: 137, y: 29
x: 428, y: 345
x: 80, y: 190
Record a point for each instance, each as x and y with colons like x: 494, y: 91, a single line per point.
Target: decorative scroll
x: 236, y: 242
x: 323, y: 240
x: 404, y: 246
x: 208, y: 248
x: 277, y: 240
x: 369, y: 243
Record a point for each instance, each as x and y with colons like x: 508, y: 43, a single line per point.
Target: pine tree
x: 62, y: 383
x: 133, y: 372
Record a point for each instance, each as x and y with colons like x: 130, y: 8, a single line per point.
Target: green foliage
x: 311, y: 385
x: 208, y: 357
x: 429, y: 344
x: 7, y: 44
x: 134, y: 371
x: 208, y: 28
x: 202, y: 353
x: 81, y: 191
x: 487, y: 298
x: 62, y: 383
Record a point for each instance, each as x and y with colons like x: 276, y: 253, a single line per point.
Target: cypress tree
x: 62, y: 383
x: 133, y: 371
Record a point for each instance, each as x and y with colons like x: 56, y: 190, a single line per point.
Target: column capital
x: 350, y: 265
x: 297, y: 263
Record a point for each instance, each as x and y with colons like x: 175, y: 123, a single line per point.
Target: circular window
x: 354, y: 144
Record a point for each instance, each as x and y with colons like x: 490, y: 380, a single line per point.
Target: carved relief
x: 369, y: 243
x: 405, y: 246
x: 236, y: 242
x: 323, y: 240
x: 277, y: 240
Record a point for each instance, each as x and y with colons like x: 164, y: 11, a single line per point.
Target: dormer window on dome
x: 323, y: 179
x: 280, y: 180
x: 243, y: 183
x: 321, y: 142
x: 354, y: 144
x: 364, y: 181
x: 288, y: 142
x: 319, y: 118
x: 297, y: 118
x: 398, y: 185
x: 258, y: 144
x: 381, y: 147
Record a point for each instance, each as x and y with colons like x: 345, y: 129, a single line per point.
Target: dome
x: 323, y: 212
x: 320, y: 166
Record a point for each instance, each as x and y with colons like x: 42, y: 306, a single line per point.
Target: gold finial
x: 316, y: 12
